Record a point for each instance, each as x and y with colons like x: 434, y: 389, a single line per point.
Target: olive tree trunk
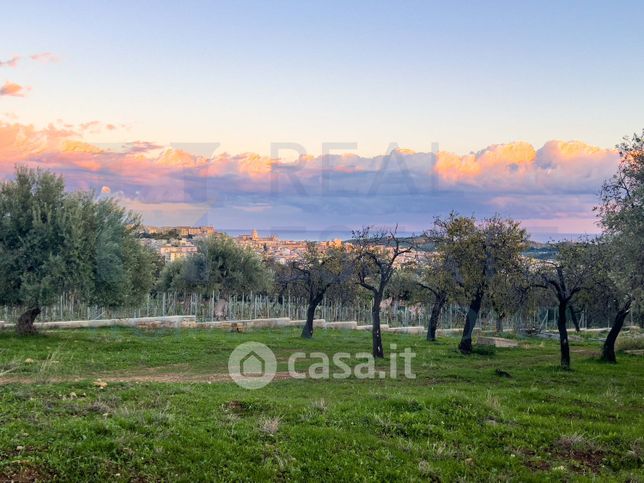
x: 376, y: 333
x: 574, y: 318
x: 472, y: 316
x: 563, y: 335
x: 25, y: 325
x: 499, y: 322
x: 437, y: 308
x: 307, y: 330
x: 608, y: 349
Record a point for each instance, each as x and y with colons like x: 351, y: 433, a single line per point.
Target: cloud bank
x: 552, y: 188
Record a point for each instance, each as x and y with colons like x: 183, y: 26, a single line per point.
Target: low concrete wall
x: 224, y: 325
x: 266, y: 323
x: 175, y: 321
x: 635, y: 352
x: 350, y: 325
x: 383, y: 327
x: 189, y: 322
x: 497, y: 342
x: 317, y: 323
x: 458, y: 330
x: 415, y: 329
x: 243, y: 325
x: 594, y: 329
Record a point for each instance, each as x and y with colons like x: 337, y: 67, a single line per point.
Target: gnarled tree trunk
x: 499, y: 322
x: 563, y: 335
x: 307, y: 330
x: 574, y: 318
x: 376, y: 334
x: 472, y: 316
x: 608, y: 349
x: 437, y: 308
x: 25, y: 325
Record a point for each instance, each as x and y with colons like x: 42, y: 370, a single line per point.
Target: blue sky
x: 246, y: 74
x: 464, y: 74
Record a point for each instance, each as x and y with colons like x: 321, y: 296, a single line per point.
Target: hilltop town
x: 176, y: 242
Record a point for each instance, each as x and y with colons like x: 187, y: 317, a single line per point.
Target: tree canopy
x: 220, y: 265
x: 377, y: 253
x: 622, y: 217
x: 477, y: 255
x: 313, y: 273
x: 54, y: 242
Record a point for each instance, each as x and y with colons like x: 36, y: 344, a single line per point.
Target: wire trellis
x: 211, y: 307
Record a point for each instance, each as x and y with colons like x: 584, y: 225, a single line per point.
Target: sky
x: 179, y: 109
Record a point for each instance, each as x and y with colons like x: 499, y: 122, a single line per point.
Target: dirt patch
x: 587, y: 458
x: 537, y: 465
x: 531, y: 460
x: 587, y: 352
x: 137, y: 377
x: 24, y: 471
x: 582, y: 459
x: 582, y: 453
x: 236, y: 406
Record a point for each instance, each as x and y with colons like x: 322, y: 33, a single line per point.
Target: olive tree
x: 53, y: 242
x: 434, y: 277
x: 607, y: 296
x: 313, y: 273
x: 510, y: 292
x: 477, y: 254
x: 573, y: 270
x: 622, y: 217
x: 220, y: 265
x: 377, y: 253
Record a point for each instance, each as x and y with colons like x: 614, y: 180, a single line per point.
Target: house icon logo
x: 252, y: 365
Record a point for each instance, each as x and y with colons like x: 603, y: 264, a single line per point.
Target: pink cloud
x: 136, y: 147
x: 513, y: 178
x: 556, y: 165
x: 12, y: 62
x: 91, y: 126
x: 574, y: 164
x: 514, y: 159
x: 513, y: 166
x: 44, y: 57
x: 13, y: 89
x: 95, y: 127
x: 39, y: 57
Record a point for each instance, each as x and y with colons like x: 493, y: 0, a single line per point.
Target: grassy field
x: 163, y: 410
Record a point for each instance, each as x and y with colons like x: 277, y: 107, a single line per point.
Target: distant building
x: 175, y: 242
x: 176, y: 250
x: 177, y: 231
x: 193, y: 231
x: 255, y: 238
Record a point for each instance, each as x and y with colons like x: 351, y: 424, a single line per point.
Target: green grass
x: 457, y: 420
